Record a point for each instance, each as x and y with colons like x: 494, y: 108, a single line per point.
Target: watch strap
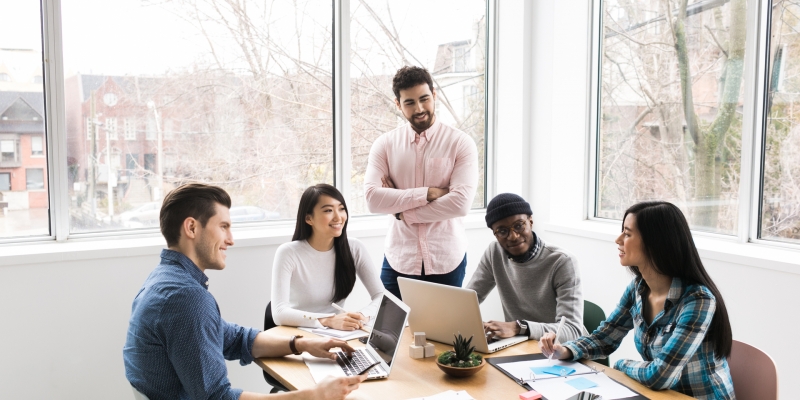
x: 292, y: 345
x: 523, y: 327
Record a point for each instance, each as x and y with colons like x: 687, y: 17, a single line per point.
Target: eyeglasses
x: 520, y: 226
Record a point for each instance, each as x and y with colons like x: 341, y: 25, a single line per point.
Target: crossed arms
x: 421, y: 204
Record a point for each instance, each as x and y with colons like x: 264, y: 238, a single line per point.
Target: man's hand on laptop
x: 321, y: 347
x: 345, y: 321
x: 336, y: 388
x: 501, y: 329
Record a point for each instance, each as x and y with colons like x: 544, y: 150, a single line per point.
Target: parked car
x: 252, y: 213
x: 143, y: 216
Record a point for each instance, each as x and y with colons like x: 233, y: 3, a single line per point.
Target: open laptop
x: 444, y: 311
x: 382, y: 343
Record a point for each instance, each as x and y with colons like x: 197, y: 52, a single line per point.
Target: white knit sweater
x: 302, y: 283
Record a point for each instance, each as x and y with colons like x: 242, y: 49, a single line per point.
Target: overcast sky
x: 132, y: 37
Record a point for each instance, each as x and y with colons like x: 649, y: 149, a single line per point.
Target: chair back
x: 137, y: 395
x: 753, y: 373
x: 593, y: 316
x: 269, y: 322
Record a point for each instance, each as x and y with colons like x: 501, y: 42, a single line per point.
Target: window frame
x: 55, y: 135
x: 753, y: 125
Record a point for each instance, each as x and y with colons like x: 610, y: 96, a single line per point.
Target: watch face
x: 110, y: 99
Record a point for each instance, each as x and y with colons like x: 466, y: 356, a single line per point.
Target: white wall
x: 758, y: 282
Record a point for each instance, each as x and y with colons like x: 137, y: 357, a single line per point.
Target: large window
x: 249, y: 84
x: 670, y: 123
x: 23, y: 188
x: 236, y: 94
x: 385, y: 36
x: 674, y: 122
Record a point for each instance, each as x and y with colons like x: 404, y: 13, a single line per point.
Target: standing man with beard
x: 425, y: 174
x: 177, y: 341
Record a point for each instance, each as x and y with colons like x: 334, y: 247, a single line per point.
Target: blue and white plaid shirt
x: 675, y: 355
x: 177, y: 341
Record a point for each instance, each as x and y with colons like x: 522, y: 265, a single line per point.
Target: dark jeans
x: 453, y: 278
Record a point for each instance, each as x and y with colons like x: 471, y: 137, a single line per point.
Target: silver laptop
x: 443, y: 311
x: 382, y: 343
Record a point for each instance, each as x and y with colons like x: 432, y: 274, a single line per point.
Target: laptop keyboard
x: 356, y: 363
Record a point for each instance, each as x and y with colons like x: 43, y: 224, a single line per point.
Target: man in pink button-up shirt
x: 425, y: 173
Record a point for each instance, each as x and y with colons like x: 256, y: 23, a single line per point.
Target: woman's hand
x: 344, y: 321
x: 548, y: 346
x: 336, y: 388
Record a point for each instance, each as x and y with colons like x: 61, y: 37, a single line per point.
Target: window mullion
x: 55, y: 119
x: 594, y: 82
x: 342, y: 158
x: 490, y: 139
x: 752, y: 139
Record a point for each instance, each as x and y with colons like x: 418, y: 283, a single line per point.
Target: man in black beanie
x: 538, y: 283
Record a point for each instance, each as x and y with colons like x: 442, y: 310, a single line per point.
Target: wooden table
x: 417, y: 378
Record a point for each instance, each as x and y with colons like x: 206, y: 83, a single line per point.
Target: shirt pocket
x: 438, y: 171
x: 663, y: 335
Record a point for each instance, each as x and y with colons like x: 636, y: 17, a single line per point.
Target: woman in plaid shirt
x: 676, y: 311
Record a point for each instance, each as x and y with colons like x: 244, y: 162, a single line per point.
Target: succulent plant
x: 462, y: 348
x: 462, y: 355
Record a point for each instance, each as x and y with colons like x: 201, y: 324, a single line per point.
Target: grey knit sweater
x: 539, y: 291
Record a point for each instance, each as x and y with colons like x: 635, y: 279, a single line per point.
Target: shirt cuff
x: 235, y: 393
x: 410, y: 217
x: 420, y: 196
x: 577, y: 354
x: 535, y: 330
x: 247, y: 344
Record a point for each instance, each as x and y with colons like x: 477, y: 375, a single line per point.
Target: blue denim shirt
x: 177, y: 341
x: 673, y: 348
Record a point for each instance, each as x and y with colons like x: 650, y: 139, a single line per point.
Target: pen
x: 560, y: 324
x: 363, y: 327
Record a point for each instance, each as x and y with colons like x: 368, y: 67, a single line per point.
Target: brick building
x: 23, y: 161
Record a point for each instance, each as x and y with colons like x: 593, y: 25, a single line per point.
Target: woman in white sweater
x: 319, y: 267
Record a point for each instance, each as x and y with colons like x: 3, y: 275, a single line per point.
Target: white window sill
x: 150, y: 242
x: 713, y: 247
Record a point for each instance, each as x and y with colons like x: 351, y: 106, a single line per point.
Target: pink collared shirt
x: 431, y: 232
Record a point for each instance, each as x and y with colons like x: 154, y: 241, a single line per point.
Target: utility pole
x: 160, y: 160
x: 93, y: 159
x: 109, y: 171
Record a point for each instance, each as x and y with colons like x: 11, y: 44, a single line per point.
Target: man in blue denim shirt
x: 177, y: 341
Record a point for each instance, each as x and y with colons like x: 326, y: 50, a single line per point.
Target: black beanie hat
x: 505, y: 205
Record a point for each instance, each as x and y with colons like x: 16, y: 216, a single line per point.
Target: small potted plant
x: 461, y: 361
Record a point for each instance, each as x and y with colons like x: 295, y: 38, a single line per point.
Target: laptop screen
x: 387, y: 330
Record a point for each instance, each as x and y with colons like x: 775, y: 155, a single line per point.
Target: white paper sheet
x: 321, y: 368
x: 448, y: 395
x: 522, y: 369
x: 335, y: 333
x: 557, y: 389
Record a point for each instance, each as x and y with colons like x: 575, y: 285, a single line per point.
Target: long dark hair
x: 344, y: 276
x: 669, y: 246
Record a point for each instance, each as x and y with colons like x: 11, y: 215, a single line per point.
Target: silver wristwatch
x: 523, y: 327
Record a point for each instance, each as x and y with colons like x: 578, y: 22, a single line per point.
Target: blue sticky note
x: 539, y: 370
x: 556, y: 370
x: 581, y: 383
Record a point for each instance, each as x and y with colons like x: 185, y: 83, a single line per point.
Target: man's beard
x: 422, y: 126
x: 205, y: 255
